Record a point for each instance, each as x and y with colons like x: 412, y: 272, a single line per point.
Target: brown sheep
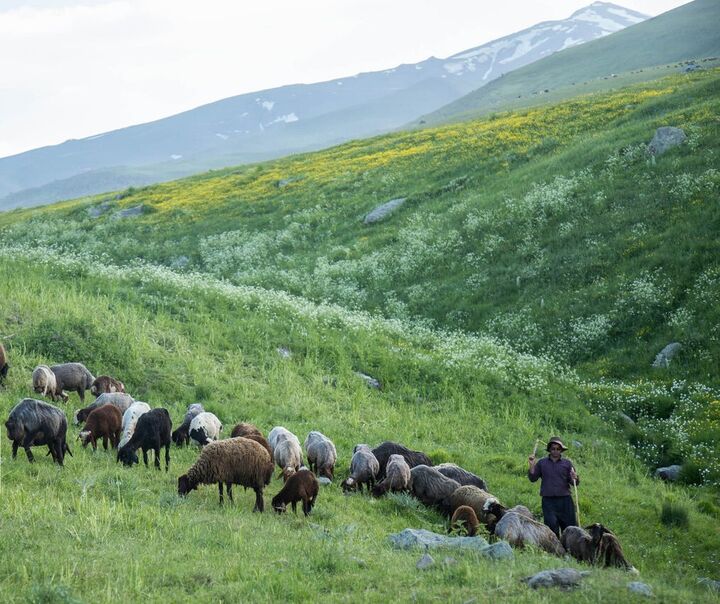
x: 464, y: 519
x: 519, y: 530
x: 433, y: 488
x: 105, y: 383
x: 300, y: 486
x: 607, y: 550
x: 397, y: 476
x: 477, y: 499
x: 252, y: 432
x: 103, y: 422
x: 232, y: 461
x: 3, y: 364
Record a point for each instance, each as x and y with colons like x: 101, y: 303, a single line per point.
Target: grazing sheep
x: 397, y: 477
x: 519, y: 530
x: 32, y: 422
x: 4, y: 366
x: 72, y: 376
x: 578, y: 543
x: 103, y: 422
x: 245, y: 429
x: 105, y: 383
x: 433, y: 488
x: 607, y: 550
x: 288, y: 455
x: 129, y: 420
x: 321, y: 454
x: 464, y: 519
x: 384, y: 450
x: 44, y: 383
x: 277, y: 434
x: 205, y: 427
x: 475, y: 498
x: 118, y: 399
x: 300, y: 486
x: 181, y: 436
x: 464, y: 477
x: 364, y: 467
x: 152, y: 431
x: 232, y: 461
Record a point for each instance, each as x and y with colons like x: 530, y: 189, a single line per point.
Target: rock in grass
x: 670, y: 473
x: 130, y: 212
x: 324, y: 480
x: 642, y: 589
x: 369, y: 380
x: 663, y: 358
x: 384, y: 210
x: 425, y: 562
x: 421, y: 538
x: 564, y: 578
x: 666, y: 138
x: 710, y: 583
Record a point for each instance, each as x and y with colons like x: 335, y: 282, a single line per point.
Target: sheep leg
x: 167, y: 457
x: 294, y: 507
x: 105, y: 442
x: 81, y: 392
x: 15, y: 445
x: 228, y: 488
x: 26, y: 445
x: 259, y: 505
x: 220, y: 490
x: 306, y: 507
x: 58, y: 451
x: 94, y: 443
x: 157, y: 456
x: 145, y: 457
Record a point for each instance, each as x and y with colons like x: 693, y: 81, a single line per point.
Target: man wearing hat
x: 557, y: 476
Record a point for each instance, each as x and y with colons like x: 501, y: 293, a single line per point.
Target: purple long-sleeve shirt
x: 555, y: 476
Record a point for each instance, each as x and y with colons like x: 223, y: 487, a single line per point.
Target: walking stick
x: 577, y: 504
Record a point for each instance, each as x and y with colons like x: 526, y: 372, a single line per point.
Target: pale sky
x: 74, y: 68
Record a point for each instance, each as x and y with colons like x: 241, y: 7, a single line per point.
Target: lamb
x: 464, y: 518
x: 118, y: 399
x: 364, y: 467
x: 34, y: 422
x: 103, y: 422
x: 232, y: 461
x: 397, y: 476
x: 607, y: 550
x: 321, y: 454
x: 44, y: 383
x: 288, y: 455
x: 181, y: 436
x: 413, y: 458
x: 433, y: 488
x: 4, y: 366
x: 129, y: 420
x: 72, y: 376
x: 205, y: 427
x: 519, y: 530
x: 301, y: 486
x: 152, y: 431
x: 464, y: 477
x: 105, y: 383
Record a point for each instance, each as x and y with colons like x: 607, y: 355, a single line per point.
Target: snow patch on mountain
x: 626, y: 15
x: 222, y: 136
x: 289, y: 118
x: 571, y: 42
x: 266, y: 104
x: 605, y: 23
x: 524, y: 45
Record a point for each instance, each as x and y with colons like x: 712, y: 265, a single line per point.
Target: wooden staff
x: 577, y: 504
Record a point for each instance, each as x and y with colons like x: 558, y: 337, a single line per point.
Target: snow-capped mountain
x: 276, y: 122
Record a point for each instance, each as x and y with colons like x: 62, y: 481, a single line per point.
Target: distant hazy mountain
x: 687, y: 32
x: 279, y: 121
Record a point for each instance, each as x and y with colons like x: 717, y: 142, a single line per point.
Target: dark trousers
x: 558, y: 513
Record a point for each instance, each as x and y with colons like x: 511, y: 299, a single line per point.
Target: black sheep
x: 34, y: 422
x: 151, y: 432
x: 384, y: 450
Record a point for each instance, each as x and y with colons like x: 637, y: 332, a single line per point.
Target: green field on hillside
x: 541, y: 259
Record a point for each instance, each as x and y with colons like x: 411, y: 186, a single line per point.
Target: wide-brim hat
x: 555, y: 440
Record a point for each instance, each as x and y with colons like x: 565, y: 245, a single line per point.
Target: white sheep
x: 205, y: 427
x: 130, y: 418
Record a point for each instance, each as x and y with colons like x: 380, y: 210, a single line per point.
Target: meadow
x: 542, y: 258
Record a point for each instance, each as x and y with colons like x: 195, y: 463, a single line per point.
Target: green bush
x: 674, y: 514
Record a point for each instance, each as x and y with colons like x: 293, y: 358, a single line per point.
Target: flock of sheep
x: 248, y: 459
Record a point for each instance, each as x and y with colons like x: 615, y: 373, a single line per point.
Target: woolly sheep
x: 413, y: 458
x: 464, y: 519
x: 44, y: 382
x: 152, y: 431
x: 519, y: 530
x: 245, y: 429
x: 105, y: 383
x: 287, y: 454
x: 129, y: 420
x: 279, y: 433
x: 397, y: 476
x: 464, y: 477
x: 205, y: 427
x: 578, y: 543
x: 118, y: 399
x: 321, y: 454
x: 72, y: 376
x: 103, y: 422
x: 364, y: 467
x: 477, y: 499
x: 181, y: 436
x: 432, y: 488
x: 232, y: 461
x: 4, y: 366
x: 32, y: 422
x: 606, y: 548
x: 301, y: 486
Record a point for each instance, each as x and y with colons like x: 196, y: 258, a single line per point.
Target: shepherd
x: 557, y: 475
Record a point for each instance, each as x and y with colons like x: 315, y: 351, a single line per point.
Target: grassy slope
x: 634, y: 51
x: 553, y: 183
x: 135, y: 539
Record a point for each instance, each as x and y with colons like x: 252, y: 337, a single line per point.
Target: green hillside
x: 639, y: 53
x: 539, y: 263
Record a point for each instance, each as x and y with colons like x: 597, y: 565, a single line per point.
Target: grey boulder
x: 564, y: 578
x: 666, y: 138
